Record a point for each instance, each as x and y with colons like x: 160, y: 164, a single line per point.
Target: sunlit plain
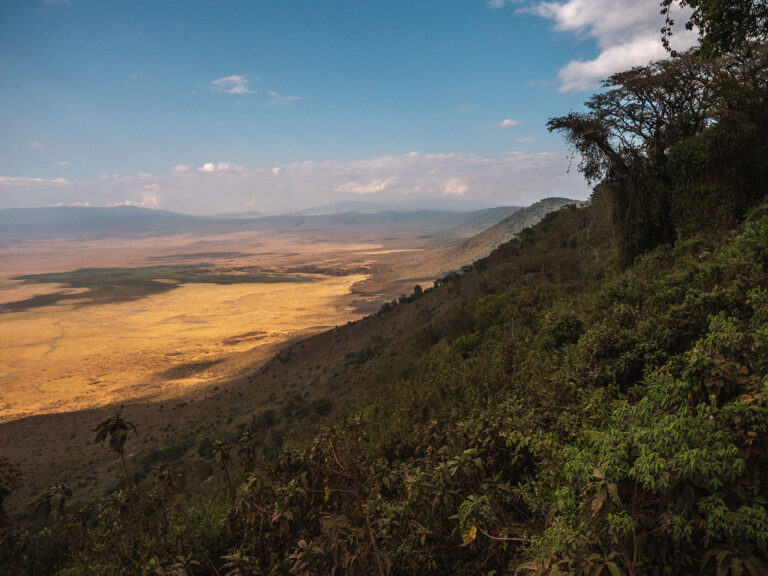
x: 77, y: 354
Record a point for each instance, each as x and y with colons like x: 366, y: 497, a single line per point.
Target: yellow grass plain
x: 77, y: 354
x: 65, y: 357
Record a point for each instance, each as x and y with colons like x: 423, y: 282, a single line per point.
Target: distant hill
x: 370, y: 207
x: 505, y: 230
x: 239, y: 215
x: 19, y: 224
x: 425, y: 222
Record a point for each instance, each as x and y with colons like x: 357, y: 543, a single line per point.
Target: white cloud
x: 234, y: 84
x: 34, y: 144
x: 181, y: 168
x: 57, y: 2
x: 154, y: 186
x: 148, y: 200
x: 220, y: 167
x: 627, y: 33
x: 276, y: 170
x: 372, y: 187
x: 580, y: 75
x: 455, y: 187
x: 61, y: 163
x: 504, y: 124
x: 278, y: 100
x: 75, y: 203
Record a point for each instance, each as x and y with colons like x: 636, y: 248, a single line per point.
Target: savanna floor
x: 66, y: 347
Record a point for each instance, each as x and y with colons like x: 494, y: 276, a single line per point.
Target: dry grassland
x: 77, y: 354
x: 64, y: 357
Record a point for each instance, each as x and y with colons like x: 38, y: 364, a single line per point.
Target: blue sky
x: 278, y: 105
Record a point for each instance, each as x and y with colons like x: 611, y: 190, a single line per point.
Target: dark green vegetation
x: 590, y: 399
x: 113, y: 285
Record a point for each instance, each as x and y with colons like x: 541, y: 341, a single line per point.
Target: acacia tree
x: 116, y: 429
x: 639, y: 115
x: 624, y: 137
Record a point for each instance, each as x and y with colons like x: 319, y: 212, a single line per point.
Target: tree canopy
x: 640, y: 113
x: 666, y: 136
x: 724, y: 25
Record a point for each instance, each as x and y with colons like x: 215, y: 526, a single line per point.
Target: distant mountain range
x: 70, y: 221
x: 370, y: 207
x: 18, y: 224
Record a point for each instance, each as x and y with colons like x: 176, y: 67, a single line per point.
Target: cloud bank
x: 627, y: 33
x: 516, y: 178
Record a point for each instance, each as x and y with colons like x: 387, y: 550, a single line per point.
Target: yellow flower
x: 469, y: 535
